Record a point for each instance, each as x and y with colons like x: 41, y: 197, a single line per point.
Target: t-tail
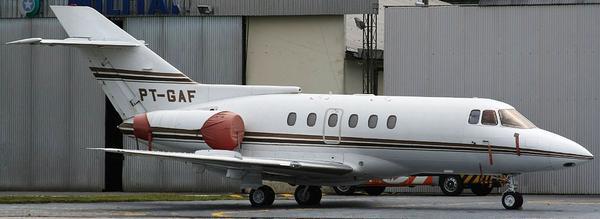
x: 134, y: 78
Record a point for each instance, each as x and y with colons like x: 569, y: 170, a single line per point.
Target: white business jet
x: 256, y: 133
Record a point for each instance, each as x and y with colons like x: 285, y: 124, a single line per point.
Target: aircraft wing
x: 234, y: 160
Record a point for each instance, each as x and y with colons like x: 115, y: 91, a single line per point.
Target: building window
x: 391, y: 122
x: 311, y: 119
x: 372, y: 121
x: 474, y: 116
x: 291, y: 120
x: 353, y: 121
x: 489, y: 117
x: 333, y: 119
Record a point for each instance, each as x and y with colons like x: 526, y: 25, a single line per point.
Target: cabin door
x: 332, y: 129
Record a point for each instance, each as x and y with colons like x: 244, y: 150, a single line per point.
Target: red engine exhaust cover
x: 141, y: 127
x: 223, y: 131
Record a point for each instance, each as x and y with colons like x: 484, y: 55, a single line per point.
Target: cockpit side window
x: 489, y: 117
x: 474, y: 116
x: 512, y: 118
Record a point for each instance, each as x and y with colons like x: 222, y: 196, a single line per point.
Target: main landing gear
x: 262, y: 196
x: 511, y: 199
x: 305, y: 195
x: 308, y: 195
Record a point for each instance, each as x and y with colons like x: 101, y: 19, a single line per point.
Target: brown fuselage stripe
x: 367, y: 143
x: 121, y: 74
x: 141, y: 78
x: 147, y: 81
x: 133, y: 72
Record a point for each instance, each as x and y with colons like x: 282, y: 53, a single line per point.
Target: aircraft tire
x: 374, y: 190
x: 481, y: 189
x: 451, y: 185
x: 262, y: 196
x: 344, y: 190
x: 512, y: 200
x: 311, y: 197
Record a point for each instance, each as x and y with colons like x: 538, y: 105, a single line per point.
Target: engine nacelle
x: 222, y: 130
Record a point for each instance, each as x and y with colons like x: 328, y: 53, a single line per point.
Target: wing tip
x: 25, y: 41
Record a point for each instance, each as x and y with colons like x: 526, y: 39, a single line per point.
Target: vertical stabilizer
x: 127, y: 73
x: 134, y: 78
x: 86, y: 22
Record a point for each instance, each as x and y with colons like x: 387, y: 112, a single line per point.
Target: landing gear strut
x: 511, y: 199
x: 308, y: 195
x: 262, y: 196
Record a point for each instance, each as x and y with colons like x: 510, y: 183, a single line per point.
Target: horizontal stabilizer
x: 77, y: 42
x: 234, y: 160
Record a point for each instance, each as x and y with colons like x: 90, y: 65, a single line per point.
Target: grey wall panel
x: 15, y: 94
x: 541, y: 59
x: 222, y: 50
x: 42, y: 132
x: 535, y: 2
x: 86, y: 126
x: 9, y: 9
x: 50, y: 108
x: 287, y: 7
x: 208, y: 50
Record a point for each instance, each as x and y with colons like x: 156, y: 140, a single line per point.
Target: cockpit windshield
x: 512, y: 118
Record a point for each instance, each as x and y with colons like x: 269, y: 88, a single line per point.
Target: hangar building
x: 541, y: 59
x: 52, y: 107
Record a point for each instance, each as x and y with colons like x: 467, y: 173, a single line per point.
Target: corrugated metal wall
x: 544, y: 60
x: 208, y: 50
x: 287, y: 7
x: 52, y: 107
x: 10, y: 9
x: 49, y: 112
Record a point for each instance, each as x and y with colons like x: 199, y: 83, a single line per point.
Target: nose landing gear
x: 511, y: 199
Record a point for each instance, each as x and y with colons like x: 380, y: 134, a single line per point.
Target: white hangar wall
x: 305, y: 51
x: 544, y: 60
x: 51, y: 107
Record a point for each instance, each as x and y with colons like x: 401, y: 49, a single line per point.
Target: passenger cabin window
x: 512, y: 118
x: 391, y: 122
x: 372, y: 121
x: 474, y: 116
x: 311, y: 119
x: 291, y: 119
x: 353, y: 121
x: 333, y: 119
x: 489, y: 117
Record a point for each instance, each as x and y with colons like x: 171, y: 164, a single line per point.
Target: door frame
x: 338, y: 126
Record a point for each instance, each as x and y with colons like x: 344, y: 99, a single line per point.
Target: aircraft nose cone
x: 577, y: 149
x: 585, y: 152
x: 565, y: 145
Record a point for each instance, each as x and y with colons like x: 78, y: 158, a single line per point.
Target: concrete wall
x: 544, y: 60
x: 353, y: 78
x: 304, y: 51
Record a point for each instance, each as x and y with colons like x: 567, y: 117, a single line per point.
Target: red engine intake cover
x: 223, y: 131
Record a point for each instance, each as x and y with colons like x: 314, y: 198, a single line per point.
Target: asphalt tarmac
x: 332, y: 206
